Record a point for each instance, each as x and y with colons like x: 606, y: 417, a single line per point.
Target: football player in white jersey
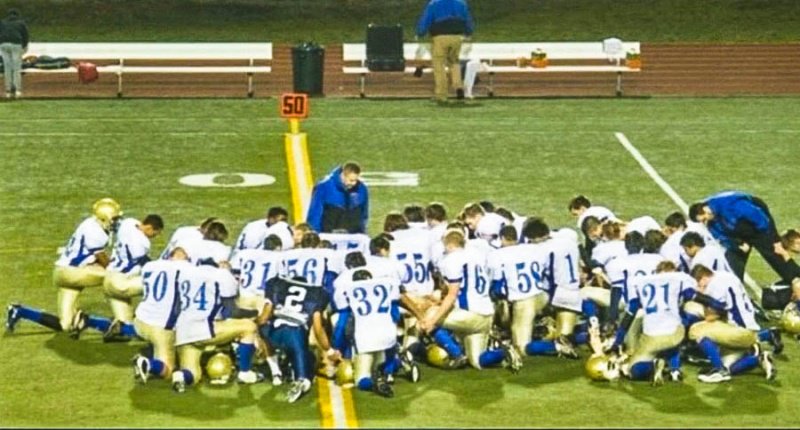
x: 661, y: 295
x: 211, y: 249
x: 123, y: 279
x: 411, y: 247
x: 157, y: 314
x: 580, y: 207
x: 519, y: 275
x: 612, y: 244
x: 83, y: 261
x: 415, y: 215
x: 565, y: 297
x: 253, y: 234
x: 186, y: 234
x: 733, y: 327
x: 373, y: 304
x: 202, y: 292
x: 642, y: 225
x: 710, y: 255
x: 675, y: 226
x: 436, y: 217
x: 319, y: 266
x: 466, y: 309
x: 253, y: 269
x: 485, y: 225
x: 345, y: 243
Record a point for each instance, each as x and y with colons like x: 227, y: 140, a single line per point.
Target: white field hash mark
x: 753, y: 288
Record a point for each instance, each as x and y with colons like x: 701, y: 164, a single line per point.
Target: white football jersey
x: 523, y: 268
x: 131, y: 246
x: 283, y: 230
x: 713, y: 257
x: 728, y: 289
x: 467, y: 268
x: 88, y: 239
x: 660, y: 298
x: 311, y: 263
x: 600, y: 212
x: 252, y: 235
x: 412, y: 249
x: 160, y: 279
x: 519, y: 222
x: 565, y: 273
x: 345, y: 243
x: 566, y: 233
x: 256, y: 267
x: 622, y: 270
x: 204, y: 250
x: 381, y: 267
x: 608, y: 250
x: 673, y: 251
x: 201, y: 290
x: 371, y: 301
x: 643, y: 224
x: 185, y: 234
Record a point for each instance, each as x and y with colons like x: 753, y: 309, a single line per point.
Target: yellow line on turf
x: 349, y: 408
x: 325, y: 408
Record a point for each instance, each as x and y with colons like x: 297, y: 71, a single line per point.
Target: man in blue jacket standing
x: 340, y: 202
x: 740, y: 221
x: 448, y: 21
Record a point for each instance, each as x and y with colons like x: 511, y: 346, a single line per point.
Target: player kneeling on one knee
x: 200, y: 289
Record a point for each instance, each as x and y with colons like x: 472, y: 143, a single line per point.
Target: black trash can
x: 308, y: 60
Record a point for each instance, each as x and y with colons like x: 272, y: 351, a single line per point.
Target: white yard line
x: 753, y: 287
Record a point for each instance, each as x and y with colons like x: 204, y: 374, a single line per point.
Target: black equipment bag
x: 385, y: 48
x: 776, y: 297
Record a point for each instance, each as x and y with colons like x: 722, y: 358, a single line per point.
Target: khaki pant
x: 363, y: 364
x: 724, y: 334
x: 474, y: 330
x: 523, y: 314
x: 649, y: 346
x: 163, y: 341
x: 120, y: 290
x: 70, y: 282
x: 445, y: 51
x: 225, y: 332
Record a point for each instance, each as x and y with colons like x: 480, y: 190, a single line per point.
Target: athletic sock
x: 674, y: 359
x: 744, y: 364
x: 40, y: 317
x: 245, y: 356
x: 188, y: 378
x: 446, y: 340
x: 98, y: 323
x: 274, y: 366
x: 127, y: 329
x: 491, y: 357
x: 541, y: 347
x: 365, y: 384
x: 764, y: 335
x: 642, y: 370
x: 156, y: 366
x: 711, y: 350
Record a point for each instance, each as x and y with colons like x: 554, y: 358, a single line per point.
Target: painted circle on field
x: 227, y: 180
x: 390, y: 179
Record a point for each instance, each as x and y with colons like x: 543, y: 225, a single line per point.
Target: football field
x: 529, y: 155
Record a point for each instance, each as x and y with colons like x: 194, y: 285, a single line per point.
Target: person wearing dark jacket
x: 13, y: 43
x: 740, y: 222
x: 448, y: 22
x: 340, y: 202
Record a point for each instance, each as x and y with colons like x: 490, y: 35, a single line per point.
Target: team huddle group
x: 482, y: 289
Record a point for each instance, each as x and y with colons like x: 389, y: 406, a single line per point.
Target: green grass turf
x: 528, y: 155
x: 336, y: 21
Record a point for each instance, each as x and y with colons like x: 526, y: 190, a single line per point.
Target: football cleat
x: 12, y: 316
x: 277, y: 379
x: 457, y: 363
x: 513, y: 357
x: 78, y: 324
x: 765, y: 360
x: 715, y: 376
x: 658, y: 372
x: 249, y: 377
x: 114, y: 333
x: 409, y: 366
x: 381, y: 386
x: 565, y: 349
x: 413, y: 374
x: 775, y: 340
x: 178, y: 382
x: 298, y: 389
x: 141, y: 368
x: 676, y: 375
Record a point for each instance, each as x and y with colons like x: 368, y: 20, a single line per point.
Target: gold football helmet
x: 601, y: 368
x: 345, y: 375
x: 437, y: 356
x: 790, y: 319
x: 219, y: 368
x: 106, y: 210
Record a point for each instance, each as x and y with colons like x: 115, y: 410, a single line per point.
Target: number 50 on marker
x: 294, y: 105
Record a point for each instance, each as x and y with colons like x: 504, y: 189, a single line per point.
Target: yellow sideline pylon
x: 292, y: 107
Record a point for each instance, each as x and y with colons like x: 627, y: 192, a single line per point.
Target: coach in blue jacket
x: 340, y: 201
x: 740, y: 221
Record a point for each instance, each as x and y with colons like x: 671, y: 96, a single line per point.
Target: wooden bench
x: 238, y: 58
x: 564, y: 57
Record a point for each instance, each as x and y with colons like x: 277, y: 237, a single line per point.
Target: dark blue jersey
x: 294, y: 302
